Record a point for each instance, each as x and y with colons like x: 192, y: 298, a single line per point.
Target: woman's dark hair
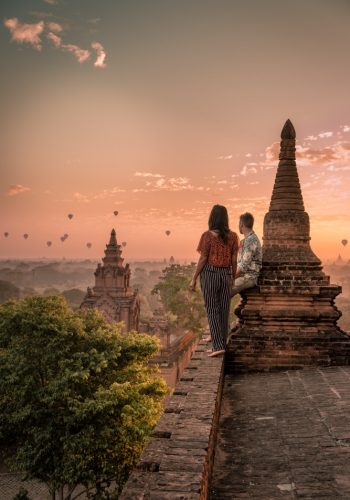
x: 218, y: 219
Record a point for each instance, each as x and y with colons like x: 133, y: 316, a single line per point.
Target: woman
x: 217, y: 268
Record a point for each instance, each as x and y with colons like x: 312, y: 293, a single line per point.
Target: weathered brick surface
x: 284, y: 435
x: 177, y: 462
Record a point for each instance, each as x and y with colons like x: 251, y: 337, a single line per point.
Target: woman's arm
x: 200, y: 264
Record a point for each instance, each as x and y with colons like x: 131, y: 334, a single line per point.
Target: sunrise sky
x: 161, y: 108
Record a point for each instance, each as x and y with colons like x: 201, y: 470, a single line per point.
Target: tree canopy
x: 77, y: 398
x: 185, y: 307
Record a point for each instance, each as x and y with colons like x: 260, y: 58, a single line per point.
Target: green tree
x: 77, y: 398
x: 184, y: 307
x: 8, y: 291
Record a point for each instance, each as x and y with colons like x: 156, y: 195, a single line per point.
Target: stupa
x: 112, y: 294
x: 290, y: 319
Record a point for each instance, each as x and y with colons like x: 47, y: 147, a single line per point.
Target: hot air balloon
x: 124, y: 243
x: 66, y: 235
x: 62, y: 239
x: 344, y: 242
x: 6, y: 234
x: 25, y: 236
x: 116, y: 212
x: 49, y: 243
x: 89, y: 245
x: 167, y: 232
x: 70, y: 216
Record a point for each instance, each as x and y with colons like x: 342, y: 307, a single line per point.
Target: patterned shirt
x: 217, y: 252
x: 249, y: 259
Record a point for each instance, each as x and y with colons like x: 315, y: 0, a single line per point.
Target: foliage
x: 184, y: 306
x: 21, y: 495
x: 8, y: 291
x: 74, y: 296
x: 77, y: 398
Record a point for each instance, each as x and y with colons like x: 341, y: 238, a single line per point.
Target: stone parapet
x: 177, y: 461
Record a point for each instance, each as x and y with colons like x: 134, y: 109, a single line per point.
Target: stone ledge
x: 178, y: 459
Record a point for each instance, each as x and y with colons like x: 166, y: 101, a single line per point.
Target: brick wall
x: 178, y: 459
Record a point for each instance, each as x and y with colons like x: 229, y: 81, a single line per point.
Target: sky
x: 159, y: 109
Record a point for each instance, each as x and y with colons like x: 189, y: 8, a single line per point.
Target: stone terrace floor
x: 284, y: 435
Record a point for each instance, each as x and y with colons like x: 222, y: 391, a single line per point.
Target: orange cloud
x: 80, y: 54
x: 55, y: 27
x: 25, y: 33
x: 101, y: 55
x: 55, y: 39
x: 15, y: 189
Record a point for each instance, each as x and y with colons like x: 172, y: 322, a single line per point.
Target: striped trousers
x: 216, y: 289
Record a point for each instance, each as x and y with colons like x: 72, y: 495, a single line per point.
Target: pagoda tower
x: 290, y: 319
x: 112, y: 294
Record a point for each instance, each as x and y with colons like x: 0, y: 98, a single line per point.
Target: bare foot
x: 207, y: 338
x: 216, y: 353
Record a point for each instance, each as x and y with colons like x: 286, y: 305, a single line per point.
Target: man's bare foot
x: 207, y: 338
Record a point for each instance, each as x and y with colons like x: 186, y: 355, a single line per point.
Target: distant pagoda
x: 290, y: 319
x: 112, y: 294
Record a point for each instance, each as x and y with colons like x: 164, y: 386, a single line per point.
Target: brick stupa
x: 289, y: 320
x: 112, y: 294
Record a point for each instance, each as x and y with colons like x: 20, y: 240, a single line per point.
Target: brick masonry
x: 290, y: 319
x: 177, y: 462
x: 284, y: 435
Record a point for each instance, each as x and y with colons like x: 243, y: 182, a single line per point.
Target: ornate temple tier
x: 289, y: 320
x: 112, y: 294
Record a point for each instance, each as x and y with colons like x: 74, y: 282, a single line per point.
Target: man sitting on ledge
x: 249, y: 259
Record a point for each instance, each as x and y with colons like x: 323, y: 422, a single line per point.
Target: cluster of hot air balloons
x: 88, y: 244
x: 64, y: 237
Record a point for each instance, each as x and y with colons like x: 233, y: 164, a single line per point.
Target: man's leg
x: 242, y: 283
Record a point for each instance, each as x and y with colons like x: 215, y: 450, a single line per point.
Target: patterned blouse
x: 217, y: 252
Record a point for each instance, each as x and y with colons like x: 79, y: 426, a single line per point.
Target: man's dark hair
x: 218, y: 219
x: 247, y: 220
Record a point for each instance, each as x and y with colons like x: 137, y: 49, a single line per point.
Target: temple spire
x: 286, y: 191
x: 113, y: 238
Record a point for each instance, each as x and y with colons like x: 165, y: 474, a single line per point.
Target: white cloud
x: 249, y: 169
x: 325, y: 135
x: 333, y: 168
x: 55, y: 27
x: 55, y: 39
x: 101, y: 55
x: 311, y: 138
x: 15, y: 189
x: 333, y: 181
x: 346, y: 128
x: 147, y: 174
x: 51, y: 2
x: 81, y: 55
x: 226, y: 157
x: 81, y: 197
x: 25, y: 33
x: 248, y: 155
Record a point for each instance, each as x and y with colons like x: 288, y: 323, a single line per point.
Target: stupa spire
x: 286, y: 191
x: 113, y: 238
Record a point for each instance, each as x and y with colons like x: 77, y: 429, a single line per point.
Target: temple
x: 290, y: 319
x: 112, y: 294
